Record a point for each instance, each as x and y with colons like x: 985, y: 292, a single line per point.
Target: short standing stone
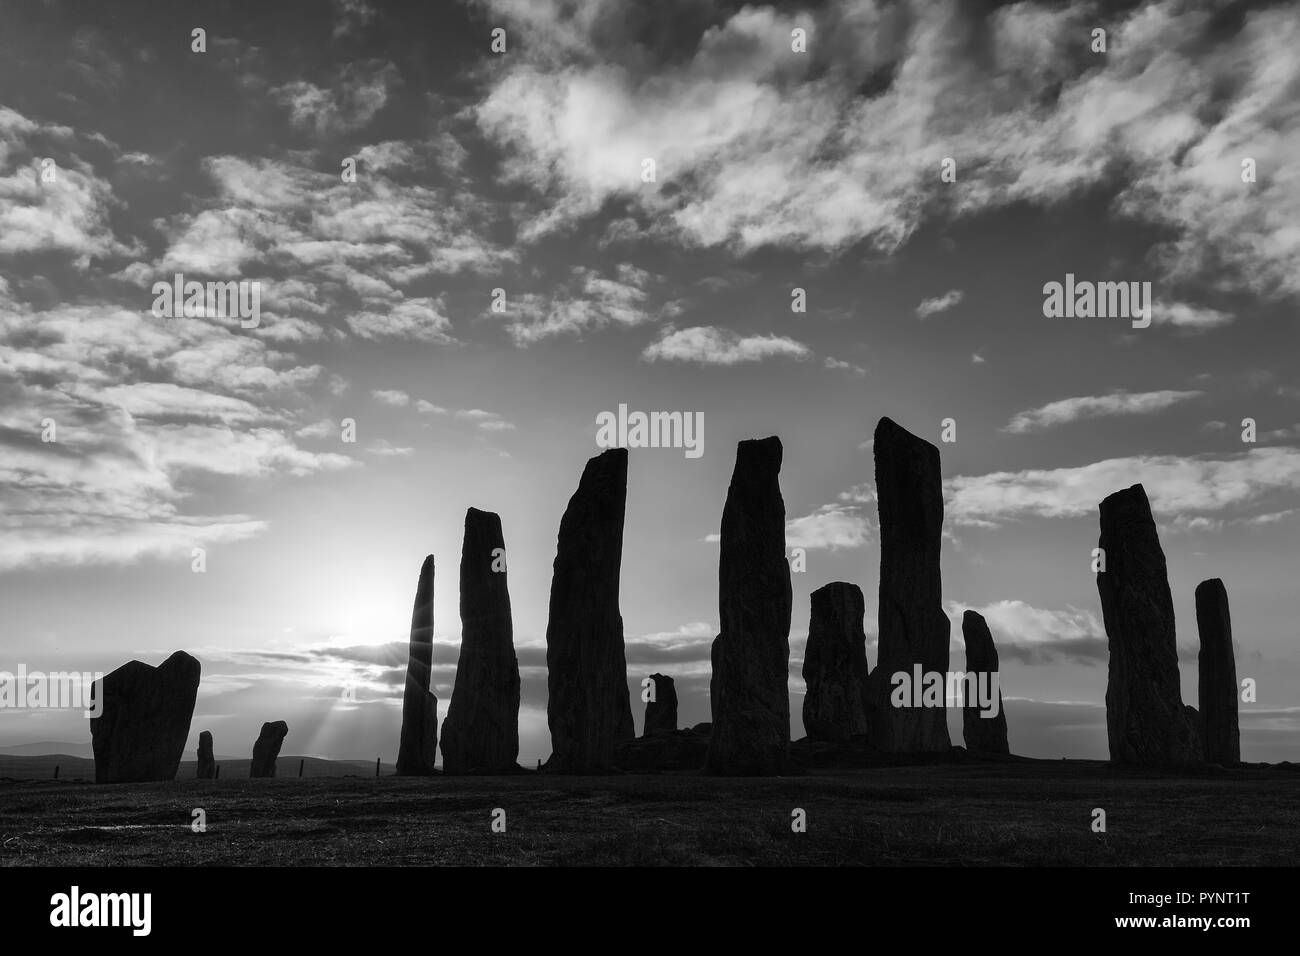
x: 144, y: 719
x: 835, y: 664
x: 1218, y: 675
x: 207, y: 763
x: 661, y: 711
x: 267, y: 748
x: 984, y: 729
x: 1145, y: 719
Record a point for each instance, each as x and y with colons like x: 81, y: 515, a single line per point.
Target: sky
x: 502, y: 268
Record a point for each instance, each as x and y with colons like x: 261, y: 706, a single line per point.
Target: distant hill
x: 41, y: 766
x: 49, y: 747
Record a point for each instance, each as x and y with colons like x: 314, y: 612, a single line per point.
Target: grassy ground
x: 1023, y: 814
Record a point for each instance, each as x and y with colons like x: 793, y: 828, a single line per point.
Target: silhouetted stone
x: 1145, y: 720
x: 982, y: 734
x: 267, y: 748
x: 913, y: 628
x: 661, y: 713
x: 588, y: 707
x: 1217, y: 684
x: 751, y: 657
x: 481, y: 730
x: 665, y: 751
x: 705, y: 728
x: 418, y: 749
x: 144, y: 719
x: 207, y: 763
x: 835, y: 664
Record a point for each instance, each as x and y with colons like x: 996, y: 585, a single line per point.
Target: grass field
x: 1024, y: 814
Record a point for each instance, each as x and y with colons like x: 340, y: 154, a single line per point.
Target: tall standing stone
x: 144, y: 719
x: 751, y: 657
x: 481, y: 730
x: 914, y: 631
x: 835, y: 664
x: 588, y: 707
x: 267, y: 748
x: 1217, y: 684
x: 1145, y: 720
x: 982, y: 734
x: 207, y: 762
x: 418, y: 748
x: 661, y: 712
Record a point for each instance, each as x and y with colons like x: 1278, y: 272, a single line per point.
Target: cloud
x: 758, y: 146
x: 1034, y: 635
x: 484, y: 420
x: 1069, y: 410
x: 1175, y: 485
x: 589, y: 303
x: 359, y: 92
x: 708, y: 345
x: 1189, y: 318
x: 942, y: 303
x: 428, y: 408
x: 393, y: 397
x: 418, y: 320
x: 837, y: 365
x: 829, y: 527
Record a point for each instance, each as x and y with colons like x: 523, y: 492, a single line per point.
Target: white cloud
x: 708, y: 345
x: 831, y: 527
x: 391, y: 396
x: 942, y: 303
x: 1175, y: 485
x: 1096, y: 406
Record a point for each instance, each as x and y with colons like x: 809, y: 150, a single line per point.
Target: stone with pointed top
x: 588, y: 707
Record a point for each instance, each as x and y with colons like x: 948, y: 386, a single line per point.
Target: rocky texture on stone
x: 661, y: 711
x: 267, y: 748
x: 144, y: 719
x: 982, y: 734
x: 835, y: 664
x: 588, y: 707
x: 1145, y: 720
x: 751, y: 657
x: 1217, y: 685
x: 481, y: 731
x: 913, y: 628
x: 418, y: 748
x: 207, y: 763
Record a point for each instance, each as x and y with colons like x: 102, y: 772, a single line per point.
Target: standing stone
x: 1145, y: 720
x: 751, y: 657
x: 267, y: 748
x: 661, y: 713
x: 914, y: 631
x: 481, y: 731
x: 982, y: 734
x: 588, y: 709
x: 144, y: 719
x: 835, y: 664
x: 1217, y: 688
x: 418, y: 749
x: 207, y: 763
